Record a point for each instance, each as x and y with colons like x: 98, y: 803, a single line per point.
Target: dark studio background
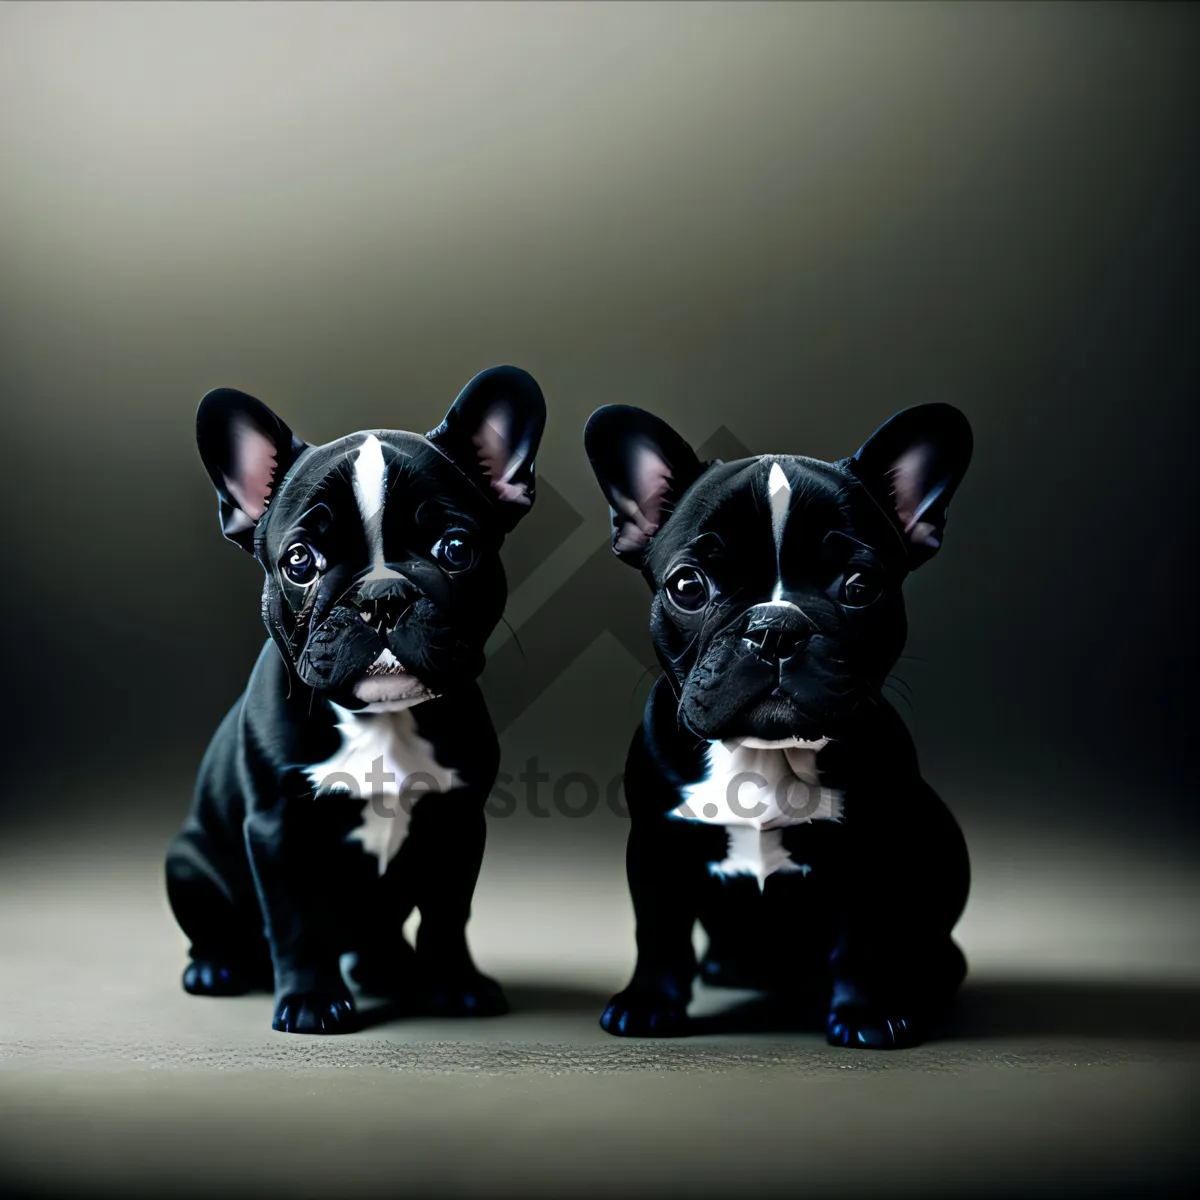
x: 774, y: 225
x: 789, y: 220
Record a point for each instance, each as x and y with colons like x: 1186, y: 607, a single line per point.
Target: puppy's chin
x: 787, y: 743
x: 773, y: 721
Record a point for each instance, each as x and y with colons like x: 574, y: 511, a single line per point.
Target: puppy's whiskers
x: 638, y: 683
x: 520, y: 648
x: 903, y: 690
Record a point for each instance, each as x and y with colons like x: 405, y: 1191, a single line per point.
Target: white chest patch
x: 756, y: 790
x: 385, y: 760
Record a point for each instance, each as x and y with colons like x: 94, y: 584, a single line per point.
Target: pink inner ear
x: 254, y: 463
x: 912, y: 493
x: 650, y: 480
x: 493, y: 445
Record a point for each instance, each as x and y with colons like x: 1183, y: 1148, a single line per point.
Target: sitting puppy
x: 774, y: 794
x: 312, y: 832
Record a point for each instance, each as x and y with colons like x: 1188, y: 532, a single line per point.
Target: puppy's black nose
x: 776, y: 631
x: 771, y: 645
x: 384, y: 603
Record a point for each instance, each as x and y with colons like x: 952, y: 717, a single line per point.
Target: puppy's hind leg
x: 385, y: 964
x: 737, y: 955
x: 229, y: 955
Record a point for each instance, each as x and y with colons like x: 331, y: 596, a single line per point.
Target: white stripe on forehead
x: 370, y: 488
x: 779, y: 493
x: 370, y: 478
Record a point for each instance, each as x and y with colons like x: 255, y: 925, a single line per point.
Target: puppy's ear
x: 492, y: 432
x: 246, y: 450
x: 912, y: 465
x: 643, y: 466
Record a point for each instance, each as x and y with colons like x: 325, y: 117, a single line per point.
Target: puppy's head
x: 777, y: 604
x: 381, y: 549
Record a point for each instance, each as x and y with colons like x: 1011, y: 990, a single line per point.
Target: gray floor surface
x: 1072, y: 1066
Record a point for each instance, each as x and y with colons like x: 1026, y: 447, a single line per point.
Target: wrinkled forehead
x: 366, y: 474
x: 755, y: 504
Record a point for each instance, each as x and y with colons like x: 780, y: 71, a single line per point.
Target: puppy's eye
x: 302, y: 564
x: 687, y: 589
x: 861, y: 586
x: 454, y: 553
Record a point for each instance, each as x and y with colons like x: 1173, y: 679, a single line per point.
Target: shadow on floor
x: 522, y: 998
x: 555, y: 998
x: 1015, y: 1008
x: 987, y: 1009
x: 1077, y: 1008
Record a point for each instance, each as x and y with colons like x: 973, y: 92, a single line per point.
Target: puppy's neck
x: 756, y: 789
x: 767, y: 785
x: 384, y: 759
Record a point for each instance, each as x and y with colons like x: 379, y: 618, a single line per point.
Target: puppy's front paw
x: 214, y: 977
x: 470, y: 995
x: 644, y: 1014
x: 865, y: 1028
x: 315, y: 1012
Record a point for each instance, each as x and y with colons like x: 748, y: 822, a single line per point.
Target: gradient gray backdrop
x: 789, y: 220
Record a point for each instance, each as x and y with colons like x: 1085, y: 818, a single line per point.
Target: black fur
x: 264, y: 878
x: 774, y: 640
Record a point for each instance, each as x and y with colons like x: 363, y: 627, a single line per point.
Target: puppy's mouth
x: 386, y: 664
x: 772, y: 721
x: 786, y: 743
x: 388, y: 681
x: 777, y: 717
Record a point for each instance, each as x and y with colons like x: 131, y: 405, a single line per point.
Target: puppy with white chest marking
x: 346, y: 786
x: 775, y: 795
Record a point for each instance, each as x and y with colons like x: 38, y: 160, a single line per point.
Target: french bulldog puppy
x: 774, y: 794
x: 346, y: 786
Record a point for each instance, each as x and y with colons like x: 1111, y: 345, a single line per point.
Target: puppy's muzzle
x: 383, y: 604
x: 776, y: 631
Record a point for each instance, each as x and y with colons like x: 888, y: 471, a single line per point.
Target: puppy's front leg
x: 906, y: 880
x: 664, y: 875
x: 284, y: 846
x: 451, y: 833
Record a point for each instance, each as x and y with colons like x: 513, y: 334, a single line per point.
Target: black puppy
x: 383, y: 580
x: 774, y: 794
